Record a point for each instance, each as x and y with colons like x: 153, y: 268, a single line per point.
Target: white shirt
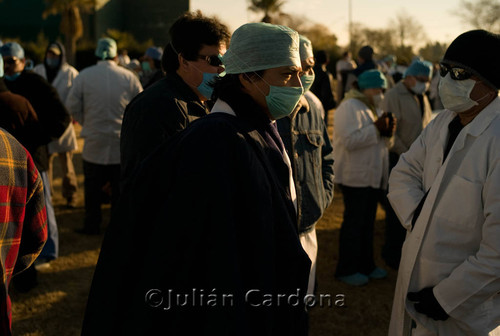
x: 97, y: 101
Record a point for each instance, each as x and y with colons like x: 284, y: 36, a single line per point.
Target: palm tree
x: 71, y: 21
x: 267, y: 6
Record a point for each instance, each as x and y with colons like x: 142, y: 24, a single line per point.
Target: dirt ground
x: 56, y: 306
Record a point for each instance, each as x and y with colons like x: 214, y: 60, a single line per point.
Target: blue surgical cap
x: 12, y: 49
x: 260, y: 46
x: 372, y: 79
x: 154, y: 52
x: 1, y: 66
x: 106, y: 48
x: 306, y: 49
x: 419, y: 68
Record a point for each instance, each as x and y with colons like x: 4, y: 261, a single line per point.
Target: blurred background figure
x: 54, y: 120
x: 409, y: 104
x: 322, y: 86
x: 343, y: 67
x: 60, y: 74
x: 310, y: 151
x: 123, y: 58
x: 360, y: 144
x: 97, y: 101
x: 151, y: 66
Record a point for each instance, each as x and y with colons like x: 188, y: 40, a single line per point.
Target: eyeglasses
x: 456, y: 73
x: 213, y: 60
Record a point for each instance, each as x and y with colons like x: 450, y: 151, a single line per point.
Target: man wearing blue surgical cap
x: 409, y: 103
x: 361, y: 165
x: 216, y: 214
x: 151, y: 66
x: 97, y: 101
x: 306, y: 140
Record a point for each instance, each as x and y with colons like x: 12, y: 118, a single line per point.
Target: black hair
x: 157, y: 63
x: 321, y: 57
x: 188, y: 34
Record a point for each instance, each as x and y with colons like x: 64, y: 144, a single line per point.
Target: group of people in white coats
x: 443, y: 189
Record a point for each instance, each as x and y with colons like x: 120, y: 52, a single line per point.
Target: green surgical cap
x: 261, y: 46
x: 306, y: 49
x: 419, y: 68
x: 372, y: 79
x: 106, y: 48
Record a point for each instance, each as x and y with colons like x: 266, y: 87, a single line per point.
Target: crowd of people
x: 218, y: 164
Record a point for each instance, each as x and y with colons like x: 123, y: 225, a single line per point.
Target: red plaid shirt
x: 23, y: 220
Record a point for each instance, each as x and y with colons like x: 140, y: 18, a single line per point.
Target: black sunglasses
x: 456, y: 73
x: 213, y: 60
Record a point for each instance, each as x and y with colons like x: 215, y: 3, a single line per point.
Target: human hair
x: 230, y: 89
x: 321, y: 57
x: 187, y: 36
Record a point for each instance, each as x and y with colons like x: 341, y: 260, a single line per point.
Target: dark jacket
x: 51, y: 112
x: 310, y: 150
x: 213, y: 215
x: 18, y: 117
x: 153, y: 116
x: 323, y: 89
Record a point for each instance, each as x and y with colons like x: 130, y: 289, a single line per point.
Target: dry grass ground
x: 56, y: 306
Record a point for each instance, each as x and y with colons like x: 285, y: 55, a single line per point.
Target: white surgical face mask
x: 377, y: 100
x: 455, y: 94
x: 419, y: 87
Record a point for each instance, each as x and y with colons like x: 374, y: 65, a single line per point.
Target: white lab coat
x: 360, y: 153
x: 62, y: 83
x: 97, y: 101
x: 455, y: 244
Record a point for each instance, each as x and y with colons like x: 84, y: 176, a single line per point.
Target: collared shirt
x: 97, y: 101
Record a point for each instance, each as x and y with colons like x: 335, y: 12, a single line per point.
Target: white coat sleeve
x: 351, y: 130
x: 478, y: 278
x: 74, y: 101
x: 406, y: 188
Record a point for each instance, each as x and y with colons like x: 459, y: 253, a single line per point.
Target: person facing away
x: 360, y: 143
x: 309, y: 148
x: 53, y: 120
x: 60, y: 75
x: 343, y: 67
x: 444, y: 190
x: 219, y: 217
x: 97, y: 100
x: 151, y: 66
x: 24, y: 219
x: 410, y: 105
x: 191, y: 61
x: 322, y: 85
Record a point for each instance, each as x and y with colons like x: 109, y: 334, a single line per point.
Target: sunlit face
x: 12, y: 65
x: 370, y: 93
x: 307, y: 67
x: 192, y: 71
x: 258, y: 88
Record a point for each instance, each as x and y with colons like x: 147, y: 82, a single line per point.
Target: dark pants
x: 356, y: 234
x: 101, y: 182
x: 395, y: 233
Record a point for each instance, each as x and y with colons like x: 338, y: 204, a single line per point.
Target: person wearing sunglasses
x: 191, y: 62
x: 445, y: 191
x: 408, y: 101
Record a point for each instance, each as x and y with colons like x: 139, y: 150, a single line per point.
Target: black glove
x: 426, y: 303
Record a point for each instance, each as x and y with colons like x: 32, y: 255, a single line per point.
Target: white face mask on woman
x: 455, y: 94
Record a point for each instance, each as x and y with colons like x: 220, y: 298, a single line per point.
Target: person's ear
x: 183, y: 63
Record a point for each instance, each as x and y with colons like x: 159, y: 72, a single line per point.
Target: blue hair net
x: 12, y: 49
x: 106, y: 48
x: 372, y: 79
x: 419, y: 68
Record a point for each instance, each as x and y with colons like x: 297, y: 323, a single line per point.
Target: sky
x: 434, y: 15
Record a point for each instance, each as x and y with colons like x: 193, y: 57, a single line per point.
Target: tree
x: 71, y: 21
x: 480, y: 14
x: 408, y: 30
x: 269, y: 7
x: 433, y: 52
